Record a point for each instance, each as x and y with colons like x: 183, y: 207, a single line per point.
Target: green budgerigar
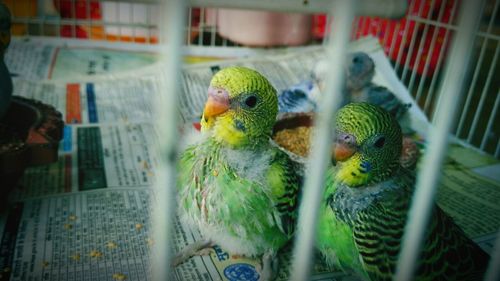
x: 364, y: 208
x: 234, y: 185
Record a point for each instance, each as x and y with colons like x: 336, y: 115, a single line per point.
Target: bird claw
x: 197, y: 248
x: 269, y: 268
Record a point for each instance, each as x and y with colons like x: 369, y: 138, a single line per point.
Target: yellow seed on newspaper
x: 119, y: 276
x: 95, y: 254
x: 150, y: 242
x: 68, y: 226
x: 75, y: 257
x: 72, y: 218
x: 111, y: 245
x: 138, y: 226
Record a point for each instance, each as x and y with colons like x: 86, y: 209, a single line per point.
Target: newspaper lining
x: 86, y: 217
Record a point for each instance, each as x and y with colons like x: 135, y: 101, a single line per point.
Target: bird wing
x: 284, y: 182
x: 447, y: 253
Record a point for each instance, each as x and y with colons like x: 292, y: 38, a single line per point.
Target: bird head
x: 368, y: 144
x: 241, y: 107
x: 359, y: 69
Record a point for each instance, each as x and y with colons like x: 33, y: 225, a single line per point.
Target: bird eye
x: 380, y: 142
x: 251, y: 101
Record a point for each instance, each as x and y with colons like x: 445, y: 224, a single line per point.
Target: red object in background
x: 395, y: 39
x: 77, y: 9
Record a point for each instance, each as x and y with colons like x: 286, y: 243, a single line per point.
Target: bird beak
x: 217, y: 103
x: 343, y: 151
x: 344, y: 147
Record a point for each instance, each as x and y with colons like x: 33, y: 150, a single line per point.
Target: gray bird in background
x: 359, y: 72
x: 5, y: 79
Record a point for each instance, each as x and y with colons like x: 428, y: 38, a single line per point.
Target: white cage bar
x: 475, y: 111
x: 343, y: 14
x: 479, y: 106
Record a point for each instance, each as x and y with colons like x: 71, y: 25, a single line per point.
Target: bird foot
x: 196, y: 248
x: 269, y: 268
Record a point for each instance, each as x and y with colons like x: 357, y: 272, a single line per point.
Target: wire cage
x: 427, y: 44
x: 417, y: 44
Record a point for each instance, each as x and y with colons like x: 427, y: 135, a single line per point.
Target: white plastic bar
x: 432, y: 161
x: 412, y: 48
x: 189, y: 27
x: 493, y: 272
x: 213, y: 28
x: 201, y: 28
x: 429, y: 54
x: 381, y: 8
x: 386, y: 36
x: 441, y: 52
x: 484, y: 94
x: 491, y: 120
x: 343, y: 14
x: 475, y: 76
x: 166, y: 118
x: 441, y: 59
x: 405, y: 37
x: 355, y: 25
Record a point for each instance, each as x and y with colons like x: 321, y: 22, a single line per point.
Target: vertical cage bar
x: 493, y: 272
x: 149, y: 35
x: 213, y: 28
x: 355, y: 24
x: 490, y: 122
x: 201, y: 28
x: 412, y: 48
x: 189, y: 29
x: 484, y: 93
x: 132, y: 22
x: 423, y: 199
x: 395, y: 33
x: 359, y: 27
x: 166, y: 117
x: 475, y: 76
x: 430, y: 50
x: 441, y: 59
x: 343, y: 14
x: 405, y: 35
x: 438, y: 64
x: 386, y: 36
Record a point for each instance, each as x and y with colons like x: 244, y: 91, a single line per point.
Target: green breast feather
x: 254, y: 203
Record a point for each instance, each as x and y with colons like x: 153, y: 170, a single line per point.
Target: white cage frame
x: 477, y: 123
x: 478, y: 110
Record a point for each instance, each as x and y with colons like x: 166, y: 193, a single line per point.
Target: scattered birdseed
x: 72, y: 218
x: 95, y: 254
x: 68, y: 226
x: 138, y: 226
x: 75, y: 257
x: 119, y: 276
x: 111, y: 245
